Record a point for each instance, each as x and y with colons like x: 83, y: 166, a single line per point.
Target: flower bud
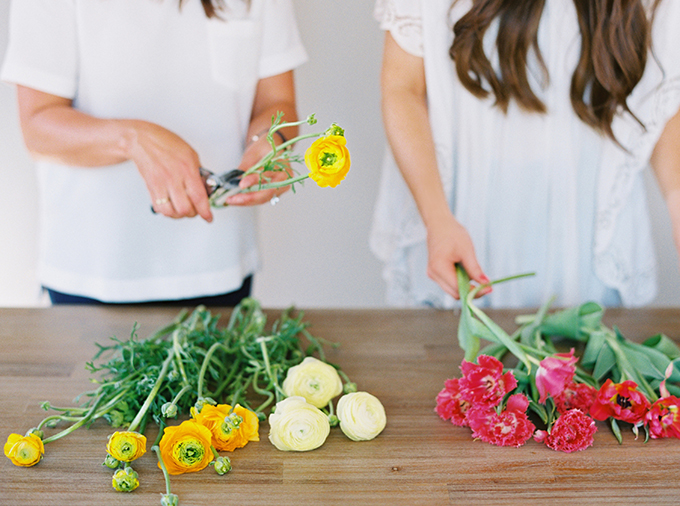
x: 350, y: 388
x: 169, y: 500
x: 110, y: 462
x: 125, y: 480
x: 202, y: 401
x: 333, y: 420
x: 169, y: 410
x: 222, y: 465
x: 37, y: 432
x: 335, y: 129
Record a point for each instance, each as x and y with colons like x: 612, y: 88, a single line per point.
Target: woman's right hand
x: 170, y: 168
x: 449, y: 243
x: 53, y: 129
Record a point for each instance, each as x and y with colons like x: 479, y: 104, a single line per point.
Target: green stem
x: 178, y: 353
x: 267, y: 367
x: 156, y: 449
x: 181, y: 393
x: 282, y: 147
x: 76, y: 425
x: 273, y: 186
x: 154, y: 390
x: 204, y: 365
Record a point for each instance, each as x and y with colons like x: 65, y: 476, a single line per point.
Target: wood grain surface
x: 401, y: 356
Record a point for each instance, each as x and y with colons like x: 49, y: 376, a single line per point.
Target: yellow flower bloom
x: 296, y: 425
x: 185, y: 448
x: 125, y: 480
x: 314, y: 380
x: 328, y: 160
x: 362, y: 416
x: 229, y: 430
x: 126, y: 446
x: 24, y: 451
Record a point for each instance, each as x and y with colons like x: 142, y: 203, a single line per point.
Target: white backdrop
x: 314, y: 243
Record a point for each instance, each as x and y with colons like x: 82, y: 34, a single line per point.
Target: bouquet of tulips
x: 223, y: 380
x: 613, y: 379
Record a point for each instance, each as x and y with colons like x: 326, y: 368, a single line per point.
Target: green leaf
x: 616, y: 430
x: 605, y: 362
x: 501, y: 336
x: 663, y: 344
x: 494, y: 350
x: 593, y: 348
x: 648, y: 361
x: 575, y: 323
x: 530, y: 333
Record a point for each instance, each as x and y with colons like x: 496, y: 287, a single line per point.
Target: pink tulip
x: 555, y: 373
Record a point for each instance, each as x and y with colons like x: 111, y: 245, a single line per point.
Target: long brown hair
x: 615, y: 41
x: 212, y: 7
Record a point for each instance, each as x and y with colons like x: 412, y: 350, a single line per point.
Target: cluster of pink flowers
x: 483, y: 400
x: 475, y: 401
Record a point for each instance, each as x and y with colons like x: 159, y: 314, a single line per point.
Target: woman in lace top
x: 528, y: 159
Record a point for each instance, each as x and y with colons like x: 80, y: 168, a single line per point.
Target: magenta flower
x: 663, y: 418
x: 622, y: 401
x: 573, y: 431
x: 450, y: 406
x: 575, y: 396
x: 511, y: 427
x: 554, y: 374
x: 484, y: 384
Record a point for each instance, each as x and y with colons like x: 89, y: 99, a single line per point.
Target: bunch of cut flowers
x: 221, y: 382
x: 612, y: 378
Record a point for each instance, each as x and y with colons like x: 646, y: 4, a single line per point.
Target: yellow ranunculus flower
x: 126, y: 446
x: 314, y: 380
x: 328, y: 160
x: 24, y: 451
x: 185, y: 448
x: 362, y: 416
x: 229, y: 430
x: 296, y: 425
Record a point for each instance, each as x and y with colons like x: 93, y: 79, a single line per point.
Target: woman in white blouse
x: 526, y: 160
x: 121, y: 103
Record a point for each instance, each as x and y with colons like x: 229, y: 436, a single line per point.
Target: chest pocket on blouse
x: 234, y: 47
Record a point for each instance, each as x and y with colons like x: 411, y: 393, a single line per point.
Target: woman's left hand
x: 253, y: 154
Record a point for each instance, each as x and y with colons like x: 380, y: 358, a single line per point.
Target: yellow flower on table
x: 126, y: 446
x: 24, y: 451
x: 185, y: 448
x: 362, y: 416
x: 313, y: 379
x: 125, y: 480
x: 230, y: 429
x: 328, y: 159
x: 296, y: 425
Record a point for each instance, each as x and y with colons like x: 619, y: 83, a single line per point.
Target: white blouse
x: 539, y: 193
x: 174, y: 67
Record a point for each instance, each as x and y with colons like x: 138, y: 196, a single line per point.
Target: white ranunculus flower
x: 362, y: 416
x: 314, y: 380
x: 296, y: 425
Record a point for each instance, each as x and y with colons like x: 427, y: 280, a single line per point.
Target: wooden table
x: 401, y: 356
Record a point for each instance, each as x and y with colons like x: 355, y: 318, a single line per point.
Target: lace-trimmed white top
x: 538, y: 193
